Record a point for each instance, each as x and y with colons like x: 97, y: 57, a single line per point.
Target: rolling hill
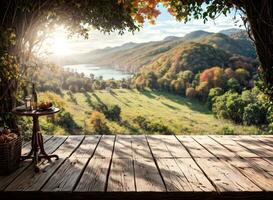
x: 196, y: 51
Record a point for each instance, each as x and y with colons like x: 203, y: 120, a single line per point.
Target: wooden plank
x: 69, y: 172
x: 215, y: 148
x: 95, y: 174
x: 30, y: 181
x: 164, y: 146
x: 194, y: 175
x: 158, y: 147
x: 27, y: 146
x: 175, y: 180
x: 252, y: 168
x: 265, y: 139
x: 194, y: 148
x: 176, y: 149
x: 121, y: 176
x: 140, y: 147
x: 105, y: 147
x: 88, y: 146
x: 28, y: 143
x: 147, y: 176
x: 234, y: 146
x: 224, y: 176
x: 268, y: 166
x: 255, y: 146
x: 6, y: 180
x: 123, y: 147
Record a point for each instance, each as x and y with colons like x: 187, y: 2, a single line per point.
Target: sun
x: 60, y: 43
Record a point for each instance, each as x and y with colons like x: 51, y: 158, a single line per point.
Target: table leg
x: 43, y: 154
x: 36, y: 145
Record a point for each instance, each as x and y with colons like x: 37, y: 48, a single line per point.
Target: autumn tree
x: 213, y: 77
x: 257, y: 16
x: 26, y: 24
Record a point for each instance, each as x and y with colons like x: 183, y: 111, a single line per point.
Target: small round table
x: 37, y: 138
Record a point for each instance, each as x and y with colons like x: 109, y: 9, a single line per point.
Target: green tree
x: 26, y: 24
x: 255, y: 113
x: 233, y: 85
x: 213, y: 93
x: 257, y: 14
x: 151, y: 80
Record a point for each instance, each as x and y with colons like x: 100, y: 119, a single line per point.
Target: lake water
x: 106, y: 72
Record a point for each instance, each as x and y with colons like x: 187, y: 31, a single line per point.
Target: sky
x: 166, y: 25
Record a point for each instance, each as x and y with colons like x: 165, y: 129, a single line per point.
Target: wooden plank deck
x: 147, y: 167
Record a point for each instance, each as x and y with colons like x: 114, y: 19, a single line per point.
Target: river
x: 106, y: 72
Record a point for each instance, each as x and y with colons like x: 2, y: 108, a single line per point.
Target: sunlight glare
x: 60, y: 42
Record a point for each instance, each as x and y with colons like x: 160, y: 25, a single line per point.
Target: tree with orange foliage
x: 214, y: 77
x: 229, y: 73
x: 257, y: 16
x: 190, y: 92
x: 98, y: 123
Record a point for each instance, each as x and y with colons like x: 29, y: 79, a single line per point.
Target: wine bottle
x: 34, y: 97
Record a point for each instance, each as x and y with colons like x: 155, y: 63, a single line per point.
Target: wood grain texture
x: 257, y: 170
x: 123, y: 147
x: 105, y: 147
x: 234, y: 146
x: 224, y: 176
x: 147, y: 176
x: 254, y: 145
x: 167, y: 147
x: 95, y: 174
x: 173, y: 176
x: 147, y: 167
x: 194, y: 175
x: 30, y: 181
x: 194, y: 148
x: 121, y: 176
x: 69, y: 172
x: 5, y: 180
x: 140, y: 147
x: 214, y: 147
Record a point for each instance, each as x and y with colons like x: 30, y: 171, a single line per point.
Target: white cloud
x: 163, y: 28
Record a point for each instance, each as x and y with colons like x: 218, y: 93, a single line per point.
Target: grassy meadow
x: 181, y: 115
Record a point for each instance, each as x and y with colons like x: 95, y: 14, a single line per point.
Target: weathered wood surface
x: 140, y: 167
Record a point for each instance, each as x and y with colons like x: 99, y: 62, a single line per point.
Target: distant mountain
x: 171, y: 38
x: 231, y: 31
x: 196, y: 35
x: 195, y: 51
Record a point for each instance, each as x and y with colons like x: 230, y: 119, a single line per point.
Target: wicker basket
x: 10, y: 155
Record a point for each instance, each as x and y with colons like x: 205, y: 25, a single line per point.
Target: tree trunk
x: 8, y: 99
x: 260, y: 17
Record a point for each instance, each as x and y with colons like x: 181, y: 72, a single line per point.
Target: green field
x: 181, y: 115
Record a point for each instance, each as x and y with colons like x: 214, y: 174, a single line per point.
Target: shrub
x: 190, y: 92
x: 152, y: 127
x: 98, y: 123
x: 229, y: 106
x: 114, y: 113
x: 227, y: 131
x: 111, y: 112
x: 234, y: 85
x: 67, y: 122
x: 254, y: 113
x: 213, y: 93
x: 235, y: 107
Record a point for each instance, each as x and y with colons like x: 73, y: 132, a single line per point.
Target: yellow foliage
x: 52, y: 97
x: 97, y: 118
